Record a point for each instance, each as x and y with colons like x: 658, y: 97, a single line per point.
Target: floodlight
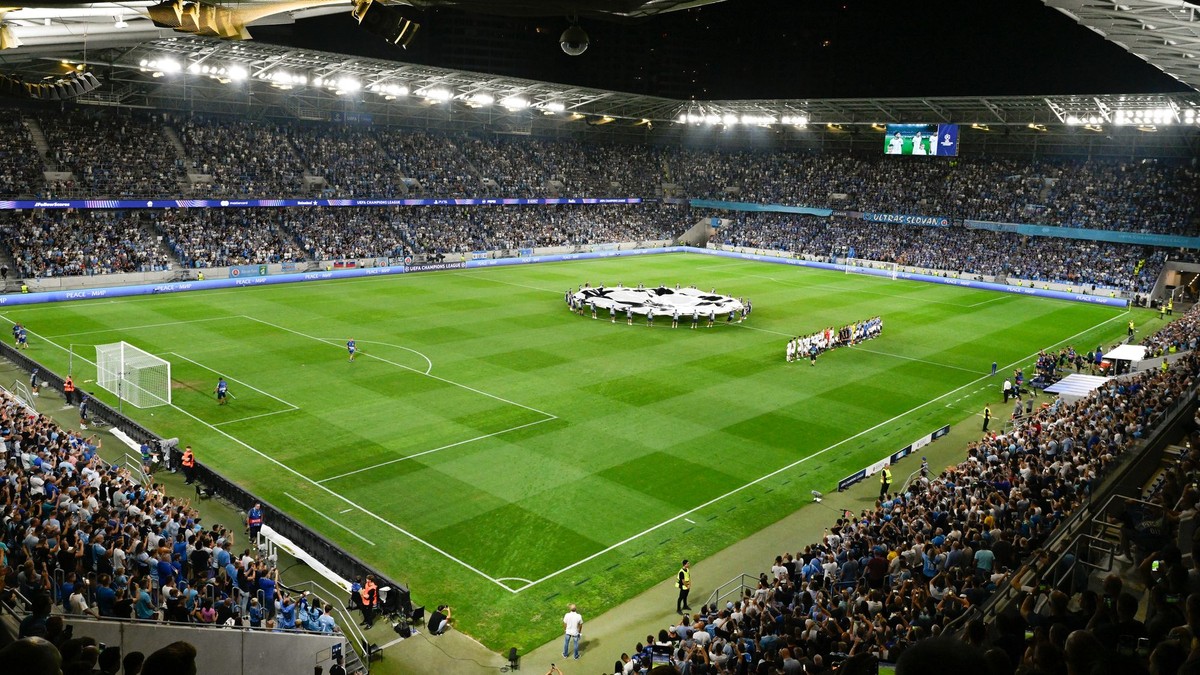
x: 515, y: 103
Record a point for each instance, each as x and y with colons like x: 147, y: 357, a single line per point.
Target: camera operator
x: 439, y: 620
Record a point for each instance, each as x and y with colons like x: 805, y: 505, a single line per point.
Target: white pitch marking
x: 244, y: 384
x: 428, y: 362
x: 301, y: 476
x: 800, y: 461
x: 301, y: 503
x: 429, y: 452
x: 506, y: 283
x: 408, y: 368
x: 984, y: 302
x: 690, y: 521
x: 149, y: 325
x: 345, y: 510
x: 254, y: 417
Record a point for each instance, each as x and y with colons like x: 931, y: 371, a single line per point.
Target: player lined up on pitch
x: 849, y: 335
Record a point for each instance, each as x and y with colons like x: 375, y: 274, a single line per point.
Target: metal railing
x: 735, y: 586
x: 1060, y: 559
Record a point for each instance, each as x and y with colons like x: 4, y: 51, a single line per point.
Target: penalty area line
x: 301, y: 503
x: 301, y: 476
x: 346, y: 500
x: 802, y: 460
x: 430, y: 452
x: 245, y: 384
x: 408, y: 368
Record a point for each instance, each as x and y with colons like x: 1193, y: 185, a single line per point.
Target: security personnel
x: 683, y: 581
x: 69, y: 390
x: 885, y: 480
x: 1130, y: 328
x: 987, y: 416
x: 369, y: 596
x: 1164, y: 364
x: 189, y: 465
x: 24, y: 287
x: 199, y: 276
x: 254, y: 520
x: 1170, y: 306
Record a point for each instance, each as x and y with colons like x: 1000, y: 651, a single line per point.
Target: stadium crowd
x: 243, y: 159
x: 913, y: 566
x: 220, y: 237
x: 60, y: 243
x: 117, y: 154
x: 110, y: 154
x: 85, y: 538
x: 20, y: 164
x: 958, y: 249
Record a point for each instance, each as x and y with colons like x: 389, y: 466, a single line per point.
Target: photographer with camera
x: 439, y: 620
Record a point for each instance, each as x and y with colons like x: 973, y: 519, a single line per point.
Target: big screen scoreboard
x: 940, y: 140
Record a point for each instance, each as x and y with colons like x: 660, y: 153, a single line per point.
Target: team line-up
x: 848, y: 335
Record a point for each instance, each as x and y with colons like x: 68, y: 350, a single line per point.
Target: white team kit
x: 801, y: 346
x: 919, y: 144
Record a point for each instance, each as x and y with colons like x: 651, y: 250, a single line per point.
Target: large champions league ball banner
x: 921, y: 139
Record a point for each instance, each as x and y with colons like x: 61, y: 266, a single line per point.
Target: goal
x: 873, y: 268
x: 136, y: 376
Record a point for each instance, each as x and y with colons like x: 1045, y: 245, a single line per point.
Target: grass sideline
x: 504, y: 456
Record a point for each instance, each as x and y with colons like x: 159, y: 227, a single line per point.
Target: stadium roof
x: 1164, y: 33
x: 325, y: 80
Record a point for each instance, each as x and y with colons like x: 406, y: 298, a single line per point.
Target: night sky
x: 777, y: 49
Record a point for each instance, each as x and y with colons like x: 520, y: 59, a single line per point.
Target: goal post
x: 861, y: 266
x: 134, y: 375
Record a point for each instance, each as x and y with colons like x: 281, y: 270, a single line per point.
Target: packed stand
x: 339, y: 234
x: 1142, y: 196
x: 111, y: 155
x: 61, y: 243
x: 1182, y: 334
x: 85, y: 538
x: 20, y: 163
x: 956, y: 249
x: 233, y: 236
x: 350, y: 159
x: 883, y: 580
x: 466, y: 229
x: 433, y: 162
x: 245, y: 159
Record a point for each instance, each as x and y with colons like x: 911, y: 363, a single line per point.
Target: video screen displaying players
x: 921, y: 139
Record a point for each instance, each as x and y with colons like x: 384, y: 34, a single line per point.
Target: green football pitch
x: 495, y: 451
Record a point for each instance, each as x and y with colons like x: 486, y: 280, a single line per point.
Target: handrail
x: 1069, y: 530
x: 720, y: 593
x: 348, y: 626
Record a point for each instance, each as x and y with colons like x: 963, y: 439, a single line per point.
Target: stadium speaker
x: 514, y: 659
x: 386, y: 21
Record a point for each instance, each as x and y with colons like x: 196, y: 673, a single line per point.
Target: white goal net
x: 136, y: 376
x: 860, y: 266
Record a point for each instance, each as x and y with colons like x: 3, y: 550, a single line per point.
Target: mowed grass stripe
x: 652, y: 422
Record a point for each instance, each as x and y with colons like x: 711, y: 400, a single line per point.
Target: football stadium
x: 418, y: 358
